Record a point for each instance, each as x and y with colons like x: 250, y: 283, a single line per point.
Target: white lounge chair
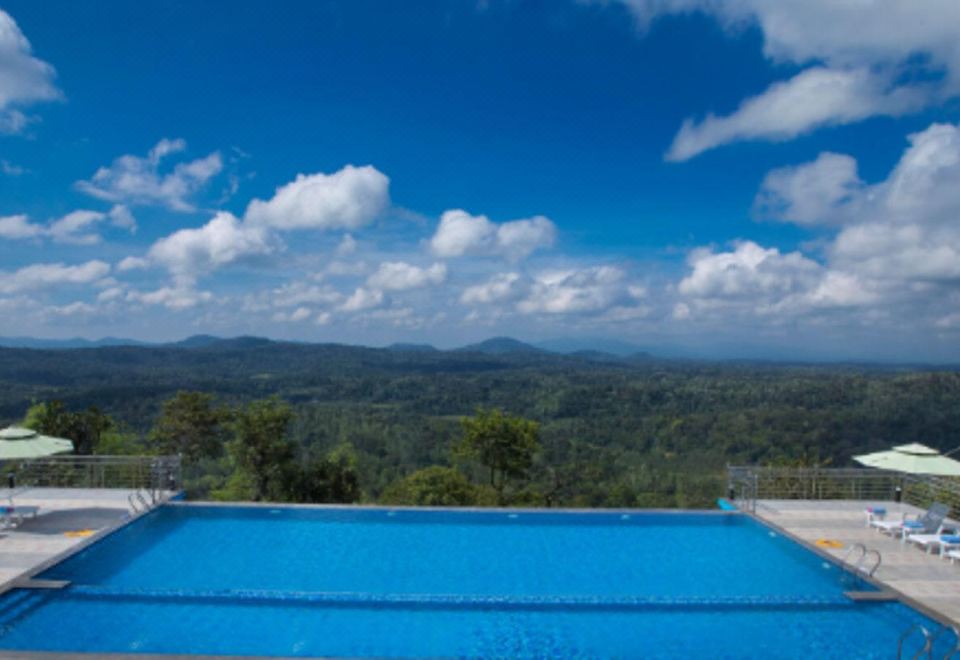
x: 929, y: 523
x: 945, y: 539
x: 952, y: 555
x: 11, y: 516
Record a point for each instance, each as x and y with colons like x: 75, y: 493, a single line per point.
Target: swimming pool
x: 350, y: 581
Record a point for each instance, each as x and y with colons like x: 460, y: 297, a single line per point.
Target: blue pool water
x: 313, y: 581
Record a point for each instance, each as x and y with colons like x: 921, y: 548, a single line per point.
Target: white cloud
x: 111, y: 294
x: 347, y: 199
x: 292, y: 294
x: 896, y: 253
x: 132, y: 263
x: 136, y: 180
x: 44, y: 276
x: 747, y: 272
x: 866, y: 57
x: 399, y: 276
x: 296, y: 316
x: 812, y: 99
x: 905, y: 227
x: 77, y: 308
x: 348, y: 245
x: 24, y: 79
x: 120, y: 216
x: 572, y: 291
x: 175, y: 298
x: 74, y: 228
x: 362, y: 299
x: 501, y: 287
x: 812, y: 193
x: 19, y: 227
x: 460, y: 233
x: 8, y: 168
x: 189, y: 253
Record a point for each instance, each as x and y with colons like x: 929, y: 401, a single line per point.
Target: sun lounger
x: 11, y: 516
x: 929, y: 523
x: 945, y: 539
x: 952, y: 555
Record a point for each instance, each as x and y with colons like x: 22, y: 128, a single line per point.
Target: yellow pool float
x: 829, y: 543
x: 76, y: 533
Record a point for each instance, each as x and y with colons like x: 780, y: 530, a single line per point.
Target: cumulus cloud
x: 904, y: 57
x: 896, y: 252
x: 812, y: 193
x: 348, y: 199
x: 189, y: 253
x: 137, y: 180
x: 175, y: 298
x: 45, y: 276
x: 24, y: 79
x: 293, y: 294
x: 363, y: 298
x: 399, y: 276
x: 747, y: 272
x: 460, y: 233
x: 298, y: 315
x: 905, y: 227
x: 501, y: 287
x: 19, y: 227
x: 120, y: 216
x: 575, y: 290
x: 75, y: 228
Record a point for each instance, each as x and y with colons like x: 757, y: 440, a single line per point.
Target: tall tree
x: 330, y: 478
x: 84, y: 428
x: 260, y: 447
x: 503, y: 443
x: 192, y: 426
x: 433, y: 486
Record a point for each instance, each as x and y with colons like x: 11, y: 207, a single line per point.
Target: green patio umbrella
x: 18, y: 443
x: 914, y: 459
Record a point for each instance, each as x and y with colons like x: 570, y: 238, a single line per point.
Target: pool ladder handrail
x: 138, y: 501
x: 956, y: 645
x: 927, y: 642
x: 864, y: 553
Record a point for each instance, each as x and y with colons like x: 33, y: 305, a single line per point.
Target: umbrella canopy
x: 18, y: 443
x: 913, y: 458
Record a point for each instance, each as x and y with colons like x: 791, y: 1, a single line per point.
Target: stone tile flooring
x: 36, y: 541
x: 931, y: 581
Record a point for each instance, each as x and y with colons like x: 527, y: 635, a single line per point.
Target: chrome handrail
x: 928, y: 641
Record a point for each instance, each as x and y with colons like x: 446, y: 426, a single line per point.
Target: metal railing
x: 151, y: 473
x: 747, y: 484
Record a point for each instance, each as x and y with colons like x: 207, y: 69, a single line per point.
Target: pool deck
x: 40, y: 541
x: 925, y: 581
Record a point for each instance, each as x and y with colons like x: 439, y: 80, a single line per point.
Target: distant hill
x: 579, y: 345
x: 413, y: 348
x: 501, y: 346
x: 63, y: 344
x: 195, y: 341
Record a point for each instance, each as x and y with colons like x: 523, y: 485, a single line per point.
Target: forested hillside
x: 612, y: 431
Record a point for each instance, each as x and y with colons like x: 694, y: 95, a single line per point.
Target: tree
x: 191, y: 426
x: 330, y: 478
x: 503, y: 443
x: 83, y: 428
x: 260, y: 448
x: 434, y: 486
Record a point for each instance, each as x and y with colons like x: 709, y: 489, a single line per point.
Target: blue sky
x: 748, y: 179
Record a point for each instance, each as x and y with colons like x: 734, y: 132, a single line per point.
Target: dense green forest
x: 362, y: 424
